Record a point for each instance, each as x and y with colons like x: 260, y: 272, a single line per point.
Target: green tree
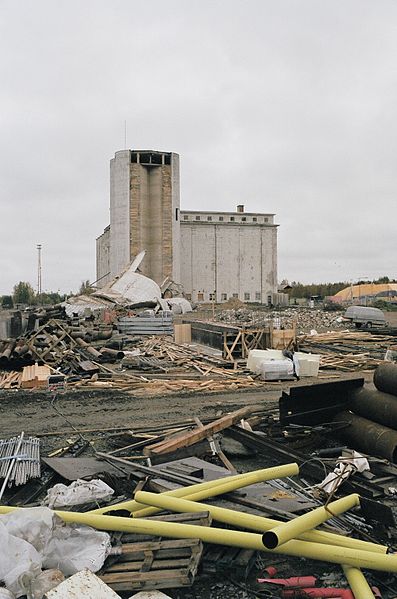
x: 6, y: 302
x: 50, y: 298
x: 85, y: 288
x: 383, y: 280
x: 23, y: 293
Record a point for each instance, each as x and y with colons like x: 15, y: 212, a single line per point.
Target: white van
x: 366, y: 317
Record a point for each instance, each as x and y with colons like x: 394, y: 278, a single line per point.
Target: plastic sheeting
x: 77, y: 493
x: 35, y: 538
x: 346, y: 466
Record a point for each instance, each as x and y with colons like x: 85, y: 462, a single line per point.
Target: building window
x: 197, y: 217
x: 200, y: 297
x: 209, y: 217
x: 188, y: 296
x: 257, y: 296
x: 185, y: 217
x: 176, y: 213
x: 266, y: 220
x: 235, y: 295
x: 221, y: 218
x: 232, y: 218
x: 212, y: 297
x: 254, y: 219
x: 223, y: 297
x: 247, y: 296
x: 244, y: 218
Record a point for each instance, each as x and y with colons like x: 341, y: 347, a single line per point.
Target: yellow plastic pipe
x: 253, y: 522
x: 208, y: 489
x: 286, y: 531
x: 231, y: 538
x: 358, y: 584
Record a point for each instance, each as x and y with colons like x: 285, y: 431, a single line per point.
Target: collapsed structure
x: 214, y: 255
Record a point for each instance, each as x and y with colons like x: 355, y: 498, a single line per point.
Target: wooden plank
x: 157, y: 545
x: 198, y: 434
x: 142, y: 576
x: 161, y: 564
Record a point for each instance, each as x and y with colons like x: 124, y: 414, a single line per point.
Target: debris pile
x: 304, y: 319
x: 347, y: 350
x: 84, y: 352
x: 173, y: 512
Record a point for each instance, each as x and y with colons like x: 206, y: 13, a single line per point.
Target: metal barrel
x: 375, y: 405
x: 367, y: 436
x: 112, y: 353
x: 385, y: 378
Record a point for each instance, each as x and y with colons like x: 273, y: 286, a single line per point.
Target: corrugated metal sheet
x: 146, y: 325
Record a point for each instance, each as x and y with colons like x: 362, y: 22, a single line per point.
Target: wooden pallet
x: 154, y: 565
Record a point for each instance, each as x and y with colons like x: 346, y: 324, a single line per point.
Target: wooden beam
x: 197, y: 434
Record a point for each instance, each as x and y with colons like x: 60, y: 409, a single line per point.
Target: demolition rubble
x: 271, y: 470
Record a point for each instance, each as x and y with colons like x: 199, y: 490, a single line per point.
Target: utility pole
x: 39, y: 269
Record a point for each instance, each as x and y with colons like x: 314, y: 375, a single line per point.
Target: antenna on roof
x: 125, y: 135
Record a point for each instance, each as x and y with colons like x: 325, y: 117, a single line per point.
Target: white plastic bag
x: 35, y: 538
x: 44, y: 582
x: 74, y: 547
x: 77, y: 493
x: 20, y: 563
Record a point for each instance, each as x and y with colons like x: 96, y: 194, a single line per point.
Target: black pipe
x: 375, y: 405
x: 385, y: 378
x: 367, y: 436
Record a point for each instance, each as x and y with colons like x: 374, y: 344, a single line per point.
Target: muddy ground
x: 38, y: 412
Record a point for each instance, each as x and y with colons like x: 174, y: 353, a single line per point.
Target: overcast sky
x: 286, y: 106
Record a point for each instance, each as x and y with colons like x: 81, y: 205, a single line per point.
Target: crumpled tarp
x: 77, y: 493
x: 36, y: 538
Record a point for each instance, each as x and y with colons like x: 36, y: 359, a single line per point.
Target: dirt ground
x: 38, y: 412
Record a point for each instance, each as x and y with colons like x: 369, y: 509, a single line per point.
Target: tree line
x: 328, y: 289
x: 23, y: 293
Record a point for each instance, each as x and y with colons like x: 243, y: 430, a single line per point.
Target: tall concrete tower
x: 144, y: 215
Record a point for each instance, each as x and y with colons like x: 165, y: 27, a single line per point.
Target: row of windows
x: 232, y: 219
x: 224, y: 296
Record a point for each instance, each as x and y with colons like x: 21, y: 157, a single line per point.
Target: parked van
x: 362, y: 316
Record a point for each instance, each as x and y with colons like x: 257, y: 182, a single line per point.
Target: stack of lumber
x: 147, y: 387
x: 10, y: 380
x: 184, y: 370
x: 35, y: 377
x: 347, y: 350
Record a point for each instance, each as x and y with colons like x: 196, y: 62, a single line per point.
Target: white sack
x: 77, y: 493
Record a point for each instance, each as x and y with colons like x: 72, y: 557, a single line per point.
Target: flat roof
x: 227, y: 212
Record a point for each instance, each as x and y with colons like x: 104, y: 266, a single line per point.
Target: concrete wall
x: 119, y: 212
x: 233, y: 259
x: 154, y: 218
x: 103, y: 258
x: 176, y: 218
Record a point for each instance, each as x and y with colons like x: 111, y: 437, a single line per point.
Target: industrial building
x: 214, y: 255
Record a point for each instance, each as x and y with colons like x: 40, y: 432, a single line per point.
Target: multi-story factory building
x: 214, y: 255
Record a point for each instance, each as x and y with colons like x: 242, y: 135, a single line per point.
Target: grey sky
x: 286, y: 106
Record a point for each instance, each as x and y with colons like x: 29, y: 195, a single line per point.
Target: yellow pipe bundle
x: 253, y: 522
x: 208, y: 489
x: 232, y: 538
